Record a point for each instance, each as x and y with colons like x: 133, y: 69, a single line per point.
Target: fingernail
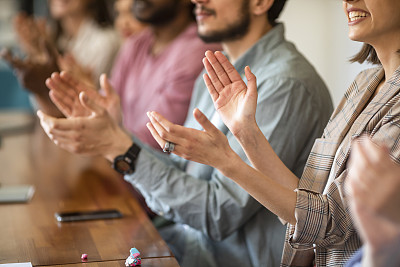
x: 84, y: 96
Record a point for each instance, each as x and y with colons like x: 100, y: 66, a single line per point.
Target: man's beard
x: 160, y: 15
x: 233, y: 31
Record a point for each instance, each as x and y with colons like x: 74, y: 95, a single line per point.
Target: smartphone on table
x: 87, y: 215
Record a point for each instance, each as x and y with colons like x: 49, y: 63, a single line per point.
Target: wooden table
x: 65, y: 182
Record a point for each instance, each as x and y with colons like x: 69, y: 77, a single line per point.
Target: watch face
x: 122, y: 166
x: 125, y: 164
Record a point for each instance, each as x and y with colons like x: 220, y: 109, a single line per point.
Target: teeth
x: 355, y: 15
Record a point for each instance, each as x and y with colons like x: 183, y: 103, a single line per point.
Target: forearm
x: 274, y: 196
x: 263, y: 158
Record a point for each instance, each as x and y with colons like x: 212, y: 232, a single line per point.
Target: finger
x: 204, y: 122
x: 106, y: 86
x: 219, y: 70
x: 51, y: 50
x: 213, y: 76
x: 90, y: 105
x: 61, y: 88
x: 251, y: 81
x: 227, y: 66
x: 161, y: 142
x: 61, y: 103
x: 211, y: 89
x: 41, y: 24
x: 47, y: 122
x: 13, y: 61
x: 373, y: 152
x: 69, y: 79
x: 358, y: 163
x: 166, y: 129
x: 50, y: 123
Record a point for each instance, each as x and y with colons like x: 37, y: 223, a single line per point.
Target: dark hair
x: 275, y: 10
x: 100, y: 12
x: 191, y: 11
x: 367, y: 53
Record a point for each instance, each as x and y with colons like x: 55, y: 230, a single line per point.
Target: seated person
x: 216, y: 223
x: 82, y: 29
x: 320, y: 230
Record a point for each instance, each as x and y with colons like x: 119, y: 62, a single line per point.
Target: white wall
x: 319, y: 30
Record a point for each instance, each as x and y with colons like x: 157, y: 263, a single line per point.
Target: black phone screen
x: 87, y: 215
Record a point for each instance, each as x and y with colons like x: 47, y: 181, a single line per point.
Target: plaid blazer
x: 324, y: 234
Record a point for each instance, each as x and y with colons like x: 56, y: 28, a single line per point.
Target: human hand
x: 373, y: 184
x: 68, y: 63
x: 235, y: 101
x: 65, y: 90
x: 209, y: 146
x: 96, y: 134
x: 30, y: 33
x: 32, y: 74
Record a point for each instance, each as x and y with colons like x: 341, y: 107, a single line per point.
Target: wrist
x: 231, y: 162
x: 120, y: 145
x: 247, y: 133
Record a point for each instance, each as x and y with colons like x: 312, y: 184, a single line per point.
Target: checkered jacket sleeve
x: 324, y: 233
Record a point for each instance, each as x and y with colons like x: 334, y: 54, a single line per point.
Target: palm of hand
x: 233, y: 105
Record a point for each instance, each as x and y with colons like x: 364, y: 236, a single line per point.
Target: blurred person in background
x: 125, y: 23
x: 79, y: 30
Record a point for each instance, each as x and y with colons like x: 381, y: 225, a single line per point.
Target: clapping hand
x: 94, y: 134
x: 30, y: 33
x: 209, y: 146
x: 32, y: 74
x: 235, y: 101
x: 373, y: 185
x: 65, y: 90
x: 67, y: 62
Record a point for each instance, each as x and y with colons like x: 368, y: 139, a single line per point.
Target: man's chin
x: 209, y: 36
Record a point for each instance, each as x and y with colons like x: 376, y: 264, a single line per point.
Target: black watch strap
x: 125, y: 163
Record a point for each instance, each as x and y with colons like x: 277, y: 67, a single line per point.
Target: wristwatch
x: 125, y: 163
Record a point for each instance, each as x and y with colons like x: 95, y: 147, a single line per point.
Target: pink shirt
x: 162, y: 83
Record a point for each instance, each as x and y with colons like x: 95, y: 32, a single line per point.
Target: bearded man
x: 216, y: 223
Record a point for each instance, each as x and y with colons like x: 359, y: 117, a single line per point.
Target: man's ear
x: 261, y: 7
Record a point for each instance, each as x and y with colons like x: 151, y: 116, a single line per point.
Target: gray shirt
x: 217, y: 223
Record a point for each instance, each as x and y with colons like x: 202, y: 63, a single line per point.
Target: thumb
x: 105, y: 85
x: 251, y: 81
x: 204, y: 121
x: 46, y: 121
x: 90, y: 105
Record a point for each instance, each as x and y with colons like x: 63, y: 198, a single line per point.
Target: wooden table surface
x: 66, y: 182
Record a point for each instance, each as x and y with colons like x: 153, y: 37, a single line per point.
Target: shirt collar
x: 268, y: 42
